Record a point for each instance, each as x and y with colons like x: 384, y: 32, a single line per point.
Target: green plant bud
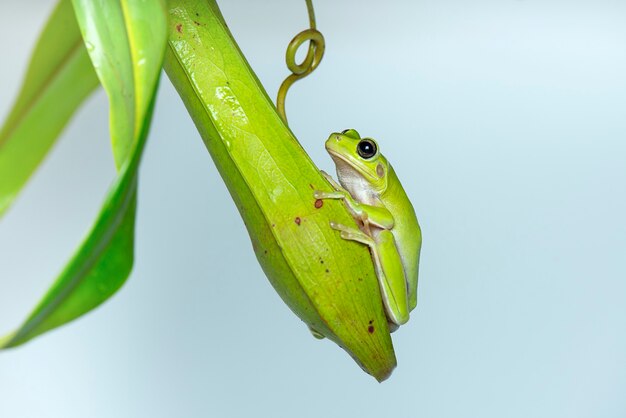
x: 328, y: 282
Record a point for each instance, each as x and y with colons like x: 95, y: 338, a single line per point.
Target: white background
x: 505, y: 121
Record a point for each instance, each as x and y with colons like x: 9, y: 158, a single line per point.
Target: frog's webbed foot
x: 353, y: 234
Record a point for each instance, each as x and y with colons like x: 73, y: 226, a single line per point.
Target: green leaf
x: 327, y: 281
x: 125, y: 40
x: 99, y: 267
x: 59, y: 78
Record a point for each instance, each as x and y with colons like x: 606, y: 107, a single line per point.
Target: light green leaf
x: 59, y: 78
x: 125, y: 40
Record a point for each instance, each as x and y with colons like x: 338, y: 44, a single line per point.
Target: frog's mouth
x: 337, y: 157
x: 343, y: 163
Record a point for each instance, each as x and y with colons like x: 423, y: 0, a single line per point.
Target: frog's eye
x: 366, y: 148
x: 351, y: 133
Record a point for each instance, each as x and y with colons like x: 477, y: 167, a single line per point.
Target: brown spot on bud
x: 370, y: 329
x: 179, y: 28
x: 298, y: 221
x: 319, y: 203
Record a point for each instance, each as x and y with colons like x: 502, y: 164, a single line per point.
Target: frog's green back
x: 406, y: 231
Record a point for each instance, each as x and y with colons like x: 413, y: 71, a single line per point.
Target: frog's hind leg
x: 353, y: 234
x: 388, y: 267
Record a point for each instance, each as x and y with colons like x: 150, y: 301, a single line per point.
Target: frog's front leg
x: 367, y: 214
x: 332, y: 181
x: 388, y: 267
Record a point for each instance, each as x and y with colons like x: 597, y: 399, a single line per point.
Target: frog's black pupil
x: 366, y: 149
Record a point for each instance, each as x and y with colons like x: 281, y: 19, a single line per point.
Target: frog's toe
x: 318, y: 194
x: 337, y: 226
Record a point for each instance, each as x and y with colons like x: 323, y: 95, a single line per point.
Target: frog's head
x: 358, y: 159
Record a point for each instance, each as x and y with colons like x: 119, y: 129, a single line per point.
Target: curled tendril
x: 308, y: 65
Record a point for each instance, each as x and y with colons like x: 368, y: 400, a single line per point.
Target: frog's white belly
x: 359, y: 189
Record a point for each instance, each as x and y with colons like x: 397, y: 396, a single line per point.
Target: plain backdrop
x: 505, y: 121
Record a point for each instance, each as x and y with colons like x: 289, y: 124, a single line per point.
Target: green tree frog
x: 387, y: 223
